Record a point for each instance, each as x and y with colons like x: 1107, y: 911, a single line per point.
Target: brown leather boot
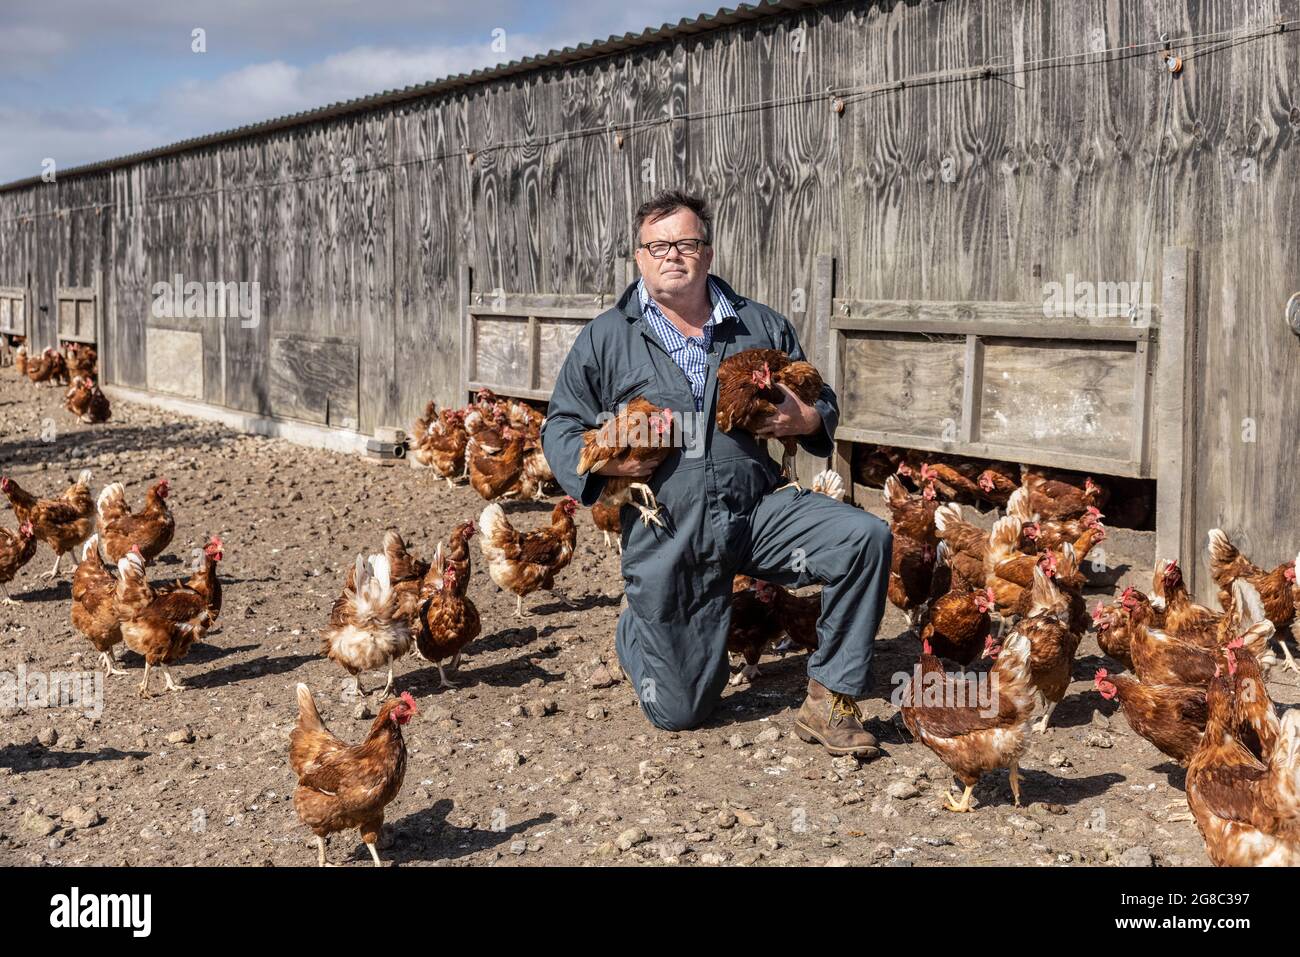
x: 834, y: 721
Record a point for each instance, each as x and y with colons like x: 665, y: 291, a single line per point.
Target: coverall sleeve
x: 574, y: 407
x: 822, y: 442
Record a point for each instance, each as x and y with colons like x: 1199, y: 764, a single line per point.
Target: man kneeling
x: 723, y: 513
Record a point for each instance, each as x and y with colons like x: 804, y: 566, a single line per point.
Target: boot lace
x: 843, y: 706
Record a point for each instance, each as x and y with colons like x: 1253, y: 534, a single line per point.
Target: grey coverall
x: 721, y: 516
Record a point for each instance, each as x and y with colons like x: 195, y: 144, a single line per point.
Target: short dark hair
x: 668, y: 201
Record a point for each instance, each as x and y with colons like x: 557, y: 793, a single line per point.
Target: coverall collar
x: 630, y: 302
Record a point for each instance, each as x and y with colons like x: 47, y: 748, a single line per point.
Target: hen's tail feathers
x: 1067, y: 562
x: 373, y: 585
x: 1045, y: 596
x: 429, y: 417
x: 829, y: 483
x: 946, y: 515
x: 111, y: 502
x: 308, y: 717
x: 1289, y: 738
x: 1004, y: 538
x: 395, y: 547
x: 131, y: 565
x: 381, y: 570
x: 894, y: 494
x: 1018, y: 505
x: 1247, y: 604
x: 1223, y: 555
x: 84, y: 478
x: 1256, y: 639
x: 91, y: 546
x: 491, y: 523
x: 189, y: 628
x: 437, y: 567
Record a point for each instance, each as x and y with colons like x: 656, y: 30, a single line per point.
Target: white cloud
x: 285, y: 62
x: 69, y: 137
x: 262, y: 91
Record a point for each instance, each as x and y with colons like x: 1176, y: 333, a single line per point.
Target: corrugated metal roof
x: 725, y: 17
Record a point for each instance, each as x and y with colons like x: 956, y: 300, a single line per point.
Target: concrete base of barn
x: 299, y: 433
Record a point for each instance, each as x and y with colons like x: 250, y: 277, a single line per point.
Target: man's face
x: 676, y: 274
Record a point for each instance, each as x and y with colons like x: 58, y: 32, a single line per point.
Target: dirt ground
x: 526, y: 762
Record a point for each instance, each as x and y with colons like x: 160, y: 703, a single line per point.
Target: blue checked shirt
x: 691, y: 353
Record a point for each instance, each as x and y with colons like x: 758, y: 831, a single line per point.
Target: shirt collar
x: 722, y: 308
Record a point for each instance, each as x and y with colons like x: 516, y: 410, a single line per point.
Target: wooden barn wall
x: 17, y: 240
x: 941, y: 187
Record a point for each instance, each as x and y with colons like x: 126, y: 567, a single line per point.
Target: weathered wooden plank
x: 1068, y: 397
x: 833, y: 372
x: 431, y: 223
x: 86, y: 319
x: 577, y: 186
x: 45, y: 278
x: 502, y: 349
x: 540, y: 304
x: 555, y: 339
x: 175, y: 362
x: 1143, y: 373
x: 1106, y: 315
x: 506, y: 175
x: 13, y: 310
x: 315, y: 380
x: 819, y: 348
x: 997, y: 325
x: 67, y: 318
x: 972, y: 388
x: 247, y: 234
x: 521, y: 306
x: 652, y: 87
x: 469, y: 339
x: 368, y: 250
x: 1176, y: 414
x: 901, y: 383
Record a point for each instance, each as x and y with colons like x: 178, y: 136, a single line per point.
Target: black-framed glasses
x: 687, y: 247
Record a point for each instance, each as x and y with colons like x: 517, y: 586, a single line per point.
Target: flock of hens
x: 75, y: 366
x: 1196, y: 683
x: 1195, y: 688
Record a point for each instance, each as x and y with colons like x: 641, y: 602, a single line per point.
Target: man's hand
x: 631, y: 468
x: 793, y: 417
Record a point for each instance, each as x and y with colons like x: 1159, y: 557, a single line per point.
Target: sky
x: 88, y: 80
